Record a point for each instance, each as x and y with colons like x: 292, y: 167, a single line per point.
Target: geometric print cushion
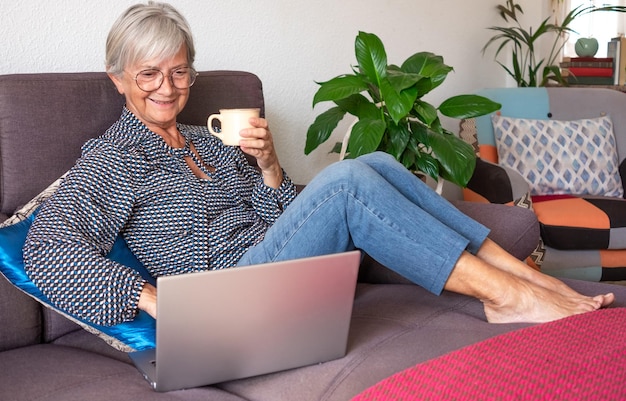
x: 561, y: 157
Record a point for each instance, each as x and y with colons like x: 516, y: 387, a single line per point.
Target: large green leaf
x: 456, y: 157
x: 420, y: 132
x: 416, y: 158
x: 426, y: 164
x: 371, y: 56
x: 359, y: 106
x: 401, y: 80
x: 408, y: 159
x: 428, y: 65
x: 468, y: 106
x: 366, y: 136
x: 398, y: 104
x: 339, y: 88
x: 422, y: 63
x: 322, y: 127
x: 426, y: 112
x: 398, y: 139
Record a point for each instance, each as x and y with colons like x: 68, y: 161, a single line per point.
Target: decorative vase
x: 586, y: 47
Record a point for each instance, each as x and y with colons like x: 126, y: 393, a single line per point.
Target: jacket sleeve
x: 65, y: 250
x: 268, y: 203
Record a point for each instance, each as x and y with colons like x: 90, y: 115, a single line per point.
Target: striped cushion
x: 588, y: 265
x: 569, y: 222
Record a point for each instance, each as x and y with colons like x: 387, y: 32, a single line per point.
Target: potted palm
x: 391, y: 115
x: 527, y: 67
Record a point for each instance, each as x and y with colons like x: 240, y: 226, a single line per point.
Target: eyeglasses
x: 152, y: 79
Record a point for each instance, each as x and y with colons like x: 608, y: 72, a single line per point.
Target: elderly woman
x: 184, y: 202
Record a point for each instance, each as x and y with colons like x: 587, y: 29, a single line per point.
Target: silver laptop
x: 229, y: 324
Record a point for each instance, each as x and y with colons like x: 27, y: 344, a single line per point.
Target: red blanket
x: 582, y: 357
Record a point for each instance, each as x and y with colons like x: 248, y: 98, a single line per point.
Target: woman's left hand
x: 258, y: 143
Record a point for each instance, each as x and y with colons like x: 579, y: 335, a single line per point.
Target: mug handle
x: 210, y: 127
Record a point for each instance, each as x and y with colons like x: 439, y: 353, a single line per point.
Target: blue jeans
x: 375, y: 204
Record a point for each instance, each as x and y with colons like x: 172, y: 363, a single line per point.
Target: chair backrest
x: 556, y: 103
x: 45, y: 119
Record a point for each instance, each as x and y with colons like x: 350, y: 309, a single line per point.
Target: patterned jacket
x: 130, y: 182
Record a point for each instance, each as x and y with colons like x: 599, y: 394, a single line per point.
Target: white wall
x: 290, y: 44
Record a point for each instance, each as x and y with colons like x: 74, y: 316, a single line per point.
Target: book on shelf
x: 590, y: 72
x: 616, y: 48
x: 588, y: 62
x: 606, y: 81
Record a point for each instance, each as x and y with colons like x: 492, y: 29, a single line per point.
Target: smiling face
x: 156, y: 109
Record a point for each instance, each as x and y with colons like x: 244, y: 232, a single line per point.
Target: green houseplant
x: 393, y: 117
x: 527, y: 66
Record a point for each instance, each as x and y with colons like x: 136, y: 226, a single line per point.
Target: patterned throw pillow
x: 561, y: 157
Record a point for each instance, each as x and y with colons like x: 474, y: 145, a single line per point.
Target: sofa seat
x: 578, y: 222
x: 390, y: 326
x: 394, y: 327
x: 69, y: 373
x: 583, y: 236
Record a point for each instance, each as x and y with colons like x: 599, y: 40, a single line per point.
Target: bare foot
x: 528, y: 302
x: 556, y: 285
x: 498, y: 257
x: 517, y: 293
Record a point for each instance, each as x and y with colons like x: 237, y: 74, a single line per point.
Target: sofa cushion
x: 588, y: 264
x: 31, y: 128
x: 393, y: 327
x: 40, y: 142
x: 128, y: 336
x: 570, y: 222
x: 561, y: 157
x: 56, y: 325
x: 54, y: 372
x: 20, y: 318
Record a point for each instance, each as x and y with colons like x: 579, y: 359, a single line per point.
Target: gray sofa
x: 45, y: 118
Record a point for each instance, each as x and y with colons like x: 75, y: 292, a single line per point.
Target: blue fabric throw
x: 138, y: 334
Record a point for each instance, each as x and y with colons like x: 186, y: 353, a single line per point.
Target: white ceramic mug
x: 232, y: 121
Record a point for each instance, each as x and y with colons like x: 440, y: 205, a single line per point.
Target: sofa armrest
x: 497, y: 184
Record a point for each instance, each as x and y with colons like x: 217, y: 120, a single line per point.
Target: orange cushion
x: 572, y: 212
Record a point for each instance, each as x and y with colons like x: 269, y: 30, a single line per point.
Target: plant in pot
x: 391, y: 115
x: 526, y: 65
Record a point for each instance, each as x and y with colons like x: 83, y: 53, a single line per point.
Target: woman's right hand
x: 258, y: 143
x: 147, y: 300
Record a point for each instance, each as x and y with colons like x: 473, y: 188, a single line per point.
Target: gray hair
x: 147, y: 31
